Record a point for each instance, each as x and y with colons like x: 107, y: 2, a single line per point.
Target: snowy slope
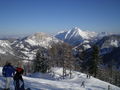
x: 107, y: 43
x: 37, y: 39
x: 40, y: 39
x: 80, y: 38
x: 75, y: 36
x: 77, y: 32
x: 28, y: 46
x: 46, y: 82
x: 5, y: 47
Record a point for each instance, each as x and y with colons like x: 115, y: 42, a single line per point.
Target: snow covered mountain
x: 109, y: 47
x: 81, y: 39
x: 76, y: 36
x: 48, y: 81
x: 107, y: 43
x: 28, y: 46
x: 103, y: 34
x: 5, y: 47
x: 113, y: 56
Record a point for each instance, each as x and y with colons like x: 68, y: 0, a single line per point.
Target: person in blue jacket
x: 8, y: 72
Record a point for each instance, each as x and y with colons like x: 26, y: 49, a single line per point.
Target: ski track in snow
x: 46, y: 83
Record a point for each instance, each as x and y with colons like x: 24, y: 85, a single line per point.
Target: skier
x: 8, y: 72
x: 108, y: 87
x: 18, y: 80
x: 88, y: 76
x: 83, y: 84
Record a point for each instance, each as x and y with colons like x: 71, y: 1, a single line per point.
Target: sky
x: 51, y: 16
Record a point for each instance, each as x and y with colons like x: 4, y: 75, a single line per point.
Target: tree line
x: 89, y: 62
x: 63, y: 55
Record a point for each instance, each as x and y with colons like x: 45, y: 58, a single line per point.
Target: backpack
x: 19, y: 70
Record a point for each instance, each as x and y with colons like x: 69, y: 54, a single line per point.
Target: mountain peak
x: 76, y: 36
x: 38, y: 34
x: 82, y: 33
x: 76, y: 29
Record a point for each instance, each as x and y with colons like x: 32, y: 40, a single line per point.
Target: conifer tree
x: 40, y: 62
x: 94, y: 62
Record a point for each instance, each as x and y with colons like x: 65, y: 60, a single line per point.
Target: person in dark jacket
x: 83, y: 84
x: 8, y: 72
x: 18, y: 80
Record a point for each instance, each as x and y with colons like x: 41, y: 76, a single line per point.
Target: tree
x: 67, y: 59
x: 83, y: 61
x: 40, y: 63
x: 53, y: 55
x: 94, y: 62
x: 61, y: 56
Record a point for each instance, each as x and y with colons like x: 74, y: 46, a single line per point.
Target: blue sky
x: 50, y: 16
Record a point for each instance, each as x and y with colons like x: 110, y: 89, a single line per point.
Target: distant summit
x: 29, y: 45
x: 76, y: 36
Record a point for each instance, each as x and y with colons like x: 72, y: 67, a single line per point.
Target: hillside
x: 38, y: 81
x: 5, y: 47
x: 27, y: 47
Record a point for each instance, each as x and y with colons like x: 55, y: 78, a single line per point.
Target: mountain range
x: 27, y: 47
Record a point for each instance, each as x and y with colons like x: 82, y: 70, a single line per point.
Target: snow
x: 76, y: 36
x: 61, y: 32
x: 67, y: 34
x: 102, y: 34
x: 29, y: 45
x: 4, y: 43
x: 21, y: 46
x: 2, y: 51
x: 5, y: 47
x: 87, y: 46
x: 40, y: 39
x: 52, y: 81
x: 114, y: 43
x: 77, y: 32
x: 31, y: 42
